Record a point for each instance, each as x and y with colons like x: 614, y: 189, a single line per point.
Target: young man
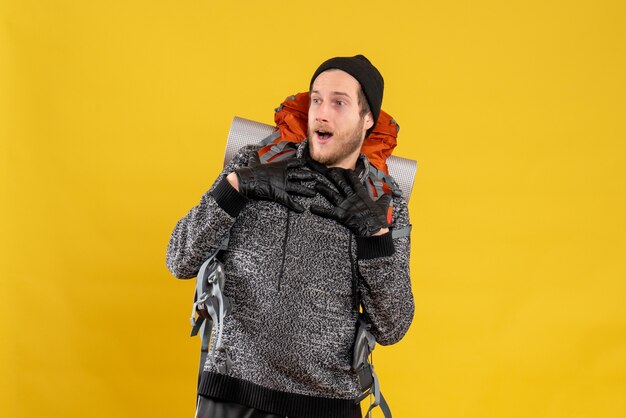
x: 305, y: 242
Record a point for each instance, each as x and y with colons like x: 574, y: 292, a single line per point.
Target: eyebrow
x: 335, y: 93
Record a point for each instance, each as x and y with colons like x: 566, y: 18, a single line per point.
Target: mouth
x: 323, y: 136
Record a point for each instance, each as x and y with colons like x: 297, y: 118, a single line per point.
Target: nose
x: 321, y: 115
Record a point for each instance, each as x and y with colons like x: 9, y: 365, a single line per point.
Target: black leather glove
x: 275, y: 181
x: 354, y: 208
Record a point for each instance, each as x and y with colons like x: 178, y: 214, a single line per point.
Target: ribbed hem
x: 374, y: 247
x: 273, y: 401
x: 229, y: 198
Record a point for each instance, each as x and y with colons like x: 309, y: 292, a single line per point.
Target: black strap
x: 204, y: 351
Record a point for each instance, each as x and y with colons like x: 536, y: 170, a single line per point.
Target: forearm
x: 206, y: 225
x: 233, y: 180
x: 196, y: 236
x: 386, y: 295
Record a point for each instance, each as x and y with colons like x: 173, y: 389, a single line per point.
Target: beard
x: 342, y: 145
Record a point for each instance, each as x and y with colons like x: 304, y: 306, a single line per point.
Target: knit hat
x: 367, y: 75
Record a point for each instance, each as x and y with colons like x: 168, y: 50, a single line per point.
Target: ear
x: 368, y: 121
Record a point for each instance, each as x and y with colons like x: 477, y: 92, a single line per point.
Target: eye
x: 340, y: 103
x: 315, y: 100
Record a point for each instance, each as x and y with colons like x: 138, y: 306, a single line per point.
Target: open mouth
x: 324, y: 135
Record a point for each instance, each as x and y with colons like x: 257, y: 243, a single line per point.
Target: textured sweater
x: 292, y: 278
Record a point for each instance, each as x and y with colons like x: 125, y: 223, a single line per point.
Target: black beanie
x: 366, y: 74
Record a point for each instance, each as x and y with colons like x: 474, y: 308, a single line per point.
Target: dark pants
x: 211, y: 408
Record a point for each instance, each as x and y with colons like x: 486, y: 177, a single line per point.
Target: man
x: 305, y: 241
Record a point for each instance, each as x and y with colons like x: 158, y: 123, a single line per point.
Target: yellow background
x: 113, y: 120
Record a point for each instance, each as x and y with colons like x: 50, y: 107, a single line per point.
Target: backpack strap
x: 379, y: 399
x: 210, y: 307
x: 362, y: 360
x: 277, y: 152
x: 402, y: 232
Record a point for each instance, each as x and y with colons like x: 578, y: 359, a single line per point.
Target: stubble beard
x: 346, y: 143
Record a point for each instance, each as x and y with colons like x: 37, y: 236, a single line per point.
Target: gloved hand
x: 354, y: 208
x: 275, y: 181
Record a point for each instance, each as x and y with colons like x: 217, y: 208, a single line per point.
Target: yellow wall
x: 113, y: 119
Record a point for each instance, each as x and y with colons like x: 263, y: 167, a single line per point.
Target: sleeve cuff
x: 374, y: 247
x: 228, y: 198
